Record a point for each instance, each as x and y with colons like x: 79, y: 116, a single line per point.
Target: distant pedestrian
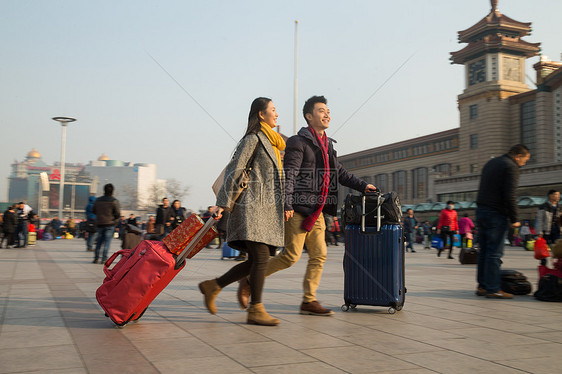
x: 91, y: 228
x: 23, y: 214
x: 150, y: 229
x: 410, y: 227
x: 465, y: 227
x: 497, y: 211
x: 9, y: 226
x: 163, y: 214
x: 426, y: 227
x: 132, y: 220
x: 107, y: 211
x: 548, y: 218
x: 179, y: 214
x: 447, y: 227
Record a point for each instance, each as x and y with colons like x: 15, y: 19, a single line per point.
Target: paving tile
x: 170, y: 349
x: 358, y: 359
x: 152, y: 331
x: 497, y: 336
x: 304, y: 368
x: 452, y: 362
x: 14, y: 336
x: 388, y: 343
x: 206, y: 365
x: 218, y: 334
x: 263, y: 353
x: 535, y: 365
x: 39, y: 358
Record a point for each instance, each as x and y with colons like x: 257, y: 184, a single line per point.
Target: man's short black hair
x: 550, y: 192
x: 309, y: 105
x: 108, y: 189
x: 164, y: 198
x: 518, y: 150
x: 450, y: 202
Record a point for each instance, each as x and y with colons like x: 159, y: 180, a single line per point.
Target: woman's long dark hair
x: 258, y: 105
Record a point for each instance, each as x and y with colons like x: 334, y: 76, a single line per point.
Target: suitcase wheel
x: 346, y: 307
x: 391, y: 310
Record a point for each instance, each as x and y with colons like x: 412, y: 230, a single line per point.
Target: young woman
x: 447, y: 227
x: 179, y: 214
x: 256, y: 222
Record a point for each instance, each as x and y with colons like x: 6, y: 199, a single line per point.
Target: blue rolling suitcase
x: 374, y: 265
x: 228, y: 252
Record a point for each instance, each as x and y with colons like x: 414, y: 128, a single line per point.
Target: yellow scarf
x: 277, y: 143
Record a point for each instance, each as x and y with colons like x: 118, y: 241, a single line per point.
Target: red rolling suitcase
x: 141, y: 274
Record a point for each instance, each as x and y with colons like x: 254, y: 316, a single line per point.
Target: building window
x: 443, y: 169
x: 473, y: 111
x: 381, y: 182
x: 473, y: 141
x: 419, y: 183
x: 473, y: 168
x: 399, y: 182
x: 528, y: 126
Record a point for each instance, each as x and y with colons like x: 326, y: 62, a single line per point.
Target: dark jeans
x: 410, y: 240
x: 492, y: 230
x: 451, y: 236
x: 255, y: 266
x: 22, y: 232
x: 90, y: 240
x: 105, y: 234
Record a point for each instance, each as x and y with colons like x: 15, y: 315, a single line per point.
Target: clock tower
x: 494, y: 60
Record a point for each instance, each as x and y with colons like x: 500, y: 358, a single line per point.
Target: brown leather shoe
x: 243, y: 293
x: 480, y: 292
x: 315, y: 309
x: 210, y: 289
x: 499, y: 295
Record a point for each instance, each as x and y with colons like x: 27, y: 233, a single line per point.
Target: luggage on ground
x: 374, y: 265
x: 31, y: 238
x: 437, y: 242
x: 141, y: 274
x: 468, y: 256
x: 550, y: 288
x: 228, y: 252
x: 514, y: 282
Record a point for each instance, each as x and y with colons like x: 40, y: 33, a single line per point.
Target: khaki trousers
x: 295, y: 239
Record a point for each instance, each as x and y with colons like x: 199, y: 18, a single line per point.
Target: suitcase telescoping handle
x: 194, y: 241
x: 364, y: 213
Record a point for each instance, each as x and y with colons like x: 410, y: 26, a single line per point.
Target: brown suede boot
x: 243, y: 293
x: 210, y: 289
x: 258, y: 316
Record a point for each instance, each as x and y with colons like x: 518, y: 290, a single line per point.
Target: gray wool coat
x: 258, y: 213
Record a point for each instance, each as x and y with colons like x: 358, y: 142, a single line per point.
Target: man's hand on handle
x: 370, y: 188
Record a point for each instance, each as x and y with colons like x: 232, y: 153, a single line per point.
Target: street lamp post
x: 64, y: 121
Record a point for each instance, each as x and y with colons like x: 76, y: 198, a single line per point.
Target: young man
x: 497, y: 211
x: 107, y: 211
x: 163, y: 214
x: 312, y: 175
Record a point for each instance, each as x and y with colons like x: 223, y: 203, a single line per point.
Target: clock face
x: 511, y: 69
x: 477, y: 72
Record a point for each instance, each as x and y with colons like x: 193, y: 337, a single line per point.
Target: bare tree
x: 176, y: 190
x: 129, y: 197
x: 156, y: 192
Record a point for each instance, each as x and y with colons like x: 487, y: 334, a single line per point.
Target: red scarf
x: 309, y: 221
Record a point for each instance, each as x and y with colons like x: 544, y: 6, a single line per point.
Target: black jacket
x: 303, y: 165
x: 163, y: 214
x: 10, y: 222
x: 107, y: 211
x: 498, y: 185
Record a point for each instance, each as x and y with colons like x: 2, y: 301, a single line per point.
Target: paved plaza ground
x: 51, y: 322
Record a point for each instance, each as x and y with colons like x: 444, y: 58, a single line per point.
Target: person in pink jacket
x: 447, y: 227
x: 465, y: 227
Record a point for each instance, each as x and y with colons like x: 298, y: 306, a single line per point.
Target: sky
x: 171, y: 82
